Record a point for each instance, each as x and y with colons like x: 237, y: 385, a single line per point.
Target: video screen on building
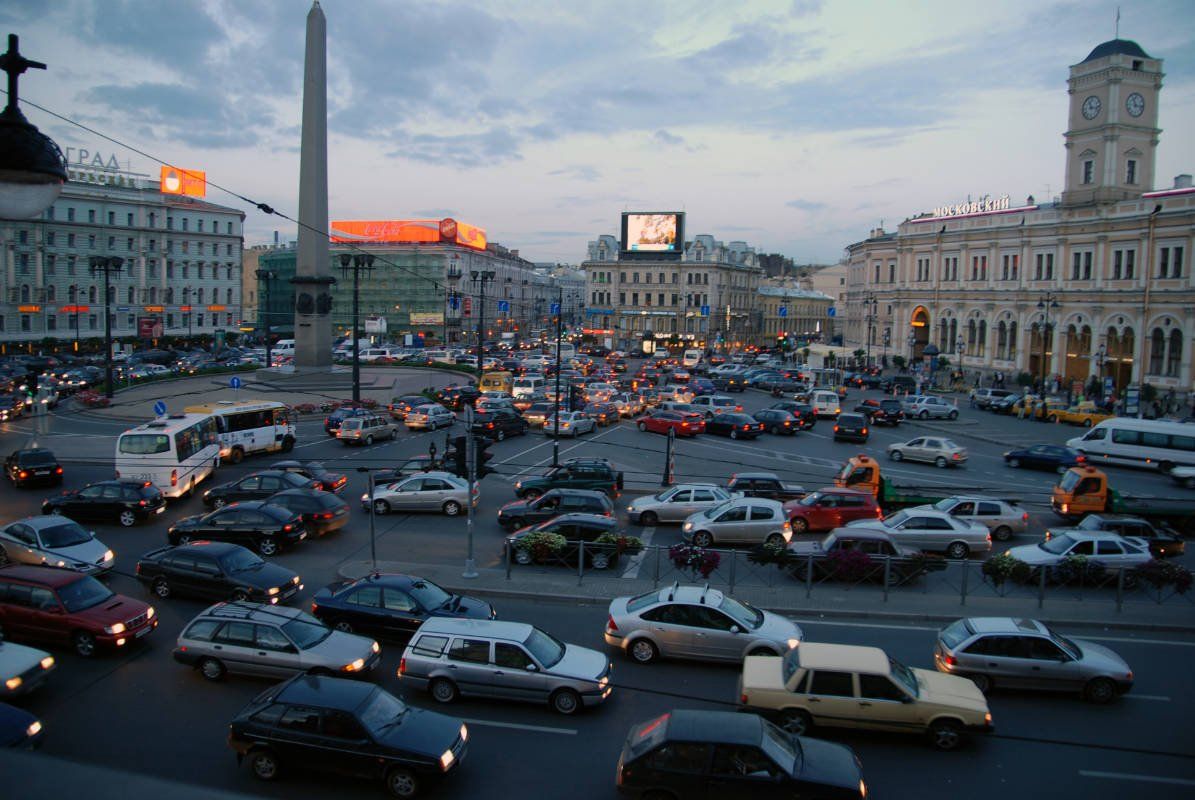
x: 654, y: 232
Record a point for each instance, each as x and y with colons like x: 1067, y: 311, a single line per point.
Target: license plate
x: 41, y: 472
x: 159, y: 509
x: 143, y: 631
x: 303, y: 535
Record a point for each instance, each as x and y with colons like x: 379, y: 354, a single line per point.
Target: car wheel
x: 774, y: 540
x: 641, y: 426
x: 952, y: 415
x: 161, y: 588
x: 982, y: 682
x: 643, y: 651
x: 763, y: 652
x: 703, y: 539
x: 368, y: 440
x: 923, y: 415
x: 452, y: 508
x: 566, y: 701
x: 514, y: 523
x: 796, y: 721
x: 1087, y: 422
x: 1100, y: 691
x: 57, y: 512
x: 523, y: 556
x: 1014, y: 462
x: 84, y: 643
x: 381, y: 508
x: 288, y: 444
x: 800, y: 525
x: 183, y: 538
x: 895, y: 455
x: 600, y: 561
x: 212, y: 669
x: 1189, y: 483
x: 219, y: 502
x: 127, y: 518
x: 649, y: 519
x: 941, y: 463
x: 501, y: 435
x: 958, y: 551
x: 267, y: 546
x: 236, y: 456
x: 946, y: 734
x: 734, y: 434
x: 443, y: 690
x: 240, y: 595
x: 402, y: 782
x: 1164, y: 467
x: 264, y: 764
x: 344, y: 626
x: 1002, y: 534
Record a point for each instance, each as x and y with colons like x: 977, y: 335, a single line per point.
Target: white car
x: 932, y: 531
x: 677, y: 392
x: 713, y: 404
x: 22, y: 669
x: 55, y: 541
x: 572, y: 423
x: 1111, y: 550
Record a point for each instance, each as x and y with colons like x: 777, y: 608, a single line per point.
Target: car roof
x: 1004, y: 625
x: 47, y: 576
x: 41, y: 522
x: 587, y: 493
x: 742, y: 475
x: 326, y: 692
x: 497, y: 629
x: 212, y: 548
x: 817, y: 656
x: 581, y: 516
x: 691, y: 594
x: 723, y: 727
x: 257, y: 612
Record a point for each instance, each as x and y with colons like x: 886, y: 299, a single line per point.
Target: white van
x: 283, y: 347
x: 442, y: 356
x: 1132, y: 442
x: 692, y: 358
x: 527, y: 385
x: 825, y: 404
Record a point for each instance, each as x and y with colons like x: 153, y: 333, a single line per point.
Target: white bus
x: 1153, y: 444
x: 251, y: 426
x: 175, y: 453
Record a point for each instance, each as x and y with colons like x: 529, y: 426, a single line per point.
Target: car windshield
x: 791, y: 662
x: 944, y: 505
x: 714, y: 511
x: 1057, y: 545
x: 306, y: 631
x: 83, y: 593
x: 896, y: 519
x: 782, y: 748
x: 904, y: 676
x: 240, y: 560
x: 382, y: 711
x: 1066, y: 644
x: 547, y: 649
x: 955, y: 633
x: 743, y: 613
x: 429, y: 595
x: 68, y: 534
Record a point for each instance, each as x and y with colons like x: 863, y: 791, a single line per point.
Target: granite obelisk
x: 313, y: 298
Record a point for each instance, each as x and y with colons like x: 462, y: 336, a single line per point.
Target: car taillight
x: 23, y: 474
x: 314, y: 606
x: 174, y: 477
x: 141, y: 503
x: 1080, y: 459
x: 58, y: 471
x: 955, y: 456
x: 864, y: 431
x: 949, y: 660
x: 1025, y: 517
x: 402, y: 665
x: 743, y: 698
x: 287, y: 528
x: 836, y: 429
x: 787, y: 423
x: 611, y: 625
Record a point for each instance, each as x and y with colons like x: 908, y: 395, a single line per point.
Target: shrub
x: 622, y: 543
x: 1074, y: 568
x: 1001, y: 567
x: 542, y: 545
x: 1159, y: 574
x: 694, y: 559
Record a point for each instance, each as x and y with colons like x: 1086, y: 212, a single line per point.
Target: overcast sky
x: 795, y: 126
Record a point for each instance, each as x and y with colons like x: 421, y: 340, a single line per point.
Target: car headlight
x: 793, y: 643
x: 446, y: 760
x: 47, y: 662
x: 13, y: 683
x: 365, y: 498
x: 112, y: 630
x: 149, y: 614
x: 356, y: 666
x: 34, y: 729
x: 631, y: 509
x: 273, y: 590
x: 688, y: 526
x: 109, y: 555
x: 377, y: 648
x: 295, y: 579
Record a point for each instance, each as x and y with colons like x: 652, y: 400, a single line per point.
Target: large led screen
x: 652, y: 233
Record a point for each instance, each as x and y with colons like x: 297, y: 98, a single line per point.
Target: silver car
x: 572, y: 423
x: 367, y: 429
x: 1110, y: 550
x: 270, y: 641
x: 696, y: 622
x: 742, y: 520
x: 932, y: 531
x: 509, y: 660
x: 22, y: 669
x: 934, y: 450
x: 54, y: 541
x: 429, y: 417
x: 925, y: 406
x: 428, y: 491
x: 1025, y: 654
x: 1000, y: 517
x: 676, y: 503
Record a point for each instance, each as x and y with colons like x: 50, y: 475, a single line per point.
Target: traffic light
x: 460, y: 451
x: 481, y: 455
x: 575, y: 400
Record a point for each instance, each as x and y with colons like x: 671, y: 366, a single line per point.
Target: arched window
x: 972, y: 347
x: 953, y: 337
x: 1174, y: 354
x: 24, y: 293
x: 1001, y: 340
x: 1012, y: 341
x: 111, y: 295
x: 1157, y: 351
x: 981, y: 341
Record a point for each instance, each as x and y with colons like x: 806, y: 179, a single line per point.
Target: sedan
x: 932, y: 531
x: 32, y: 466
x: 736, y: 426
x: 603, y: 413
x: 934, y: 450
x: 216, y: 571
x: 537, y: 414
x: 254, y: 523
x: 802, y: 411
x: 1025, y: 654
x: 399, y: 407
x: 570, y: 423
x: 320, y: 512
x: 851, y: 427
x: 391, y: 605
x: 778, y: 422
x: 676, y: 503
x: 431, y: 491
x: 256, y: 486
x: 22, y: 669
x: 18, y: 728
x: 1109, y: 550
x: 325, y: 480
x: 1001, y: 517
x: 56, y: 542
x: 882, y: 412
x: 430, y: 416
x: 124, y: 501
x: 1053, y: 457
x: 743, y: 520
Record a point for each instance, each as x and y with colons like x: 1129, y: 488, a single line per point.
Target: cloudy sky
x: 794, y: 125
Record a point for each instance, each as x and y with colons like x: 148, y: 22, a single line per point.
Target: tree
x: 1024, y: 379
x: 899, y: 362
x: 859, y: 354
x: 943, y: 362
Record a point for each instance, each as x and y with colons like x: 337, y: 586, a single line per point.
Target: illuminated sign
x: 408, y: 231
x: 427, y: 318
x: 189, y: 182
x: 149, y: 327
x: 155, y: 309
x: 184, y: 308
x: 651, y: 232
x: 984, y: 205
x: 28, y: 309
x: 217, y: 308
x: 74, y: 309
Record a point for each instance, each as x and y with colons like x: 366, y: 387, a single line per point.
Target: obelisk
x: 312, y: 281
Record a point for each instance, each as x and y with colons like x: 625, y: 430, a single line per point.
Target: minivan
x: 365, y: 429
x: 825, y: 404
x: 284, y: 347
x: 527, y: 385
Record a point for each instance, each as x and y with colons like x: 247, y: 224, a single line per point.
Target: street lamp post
x: 480, y: 279
x: 357, y: 264
x: 960, y: 347
x: 912, y: 346
x: 32, y: 169
x: 887, y: 341
x: 266, y: 276
x: 1100, y: 354
x: 74, y: 293
x: 871, y: 305
x: 107, y: 265
x: 556, y: 414
x: 1048, y: 303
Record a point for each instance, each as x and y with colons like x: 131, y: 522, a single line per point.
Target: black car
x: 455, y: 397
x: 33, y: 466
x: 684, y: 752
x: 391, y: 605
x: 18, y: 728
x: 777, y: 421
x: 730, y: 382
x: 851, y: 427
x: 556, y: 502
x: 267, y: 528
x: 333, y: 420
x: 736, y: 426
x: 321, y: 512
x: 802, y: 411
x: 325, y: 479
x: 256, y: 486
x: 346, y: 727
x: 1053, y: 457
x: 218, y: 571
x: 499, y: 423
x: 124, y: 501
x: 882, y: 412
x: 576, y: 529
x: 899, y: 384
x: 602, y: 413
x: 399, y: 407
x: 1005, y: 405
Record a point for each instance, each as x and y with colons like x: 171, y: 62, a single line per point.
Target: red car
x: 827, y: 509
x: 684, y: 423
x: 61, y: 606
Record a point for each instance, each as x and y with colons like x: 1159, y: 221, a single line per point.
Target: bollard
x: 508, y: 559
x: 963, y: 592
x: 887, y: 575
x: 1041, y: 588
x: 581, y: 563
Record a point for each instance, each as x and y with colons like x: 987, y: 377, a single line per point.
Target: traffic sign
x: 831, y: 312
x: 504, y: 306
x: 555, y: 309
x: 235, y: 382
x: 784, y: 311
x: 705, y: 311
x: 160, y: 408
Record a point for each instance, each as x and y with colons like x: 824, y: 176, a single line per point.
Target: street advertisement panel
x: 149, y: 327
x: 652, y: 232
x: 427, y: 318
x: 408, y: 231
x: 189, y: 182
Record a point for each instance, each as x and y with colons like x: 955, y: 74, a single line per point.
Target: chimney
x: 1182, y: 181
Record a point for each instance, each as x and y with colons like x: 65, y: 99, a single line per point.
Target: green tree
x: 899, y: 362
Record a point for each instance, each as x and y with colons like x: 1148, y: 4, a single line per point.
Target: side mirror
x: 532, y: 668
x: 735, y: 629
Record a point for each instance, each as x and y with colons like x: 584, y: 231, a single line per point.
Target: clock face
x: 1134, y: 104
x: 1091, y: 107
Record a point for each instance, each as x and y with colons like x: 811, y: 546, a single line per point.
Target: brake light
x: 743, y: 698
x: 1025, y: 517
x: 611, y: 625
x: 58, y: 471
x: 864, y: 431
x: 174, y: 477
x: 836, y: 429
x: 402, y: 665
x: 23, y: 474
x: 1080, y: 459
x: 287, y: 528
x: 141, y: 503
x: 989, y: 538
x: 950, y: 660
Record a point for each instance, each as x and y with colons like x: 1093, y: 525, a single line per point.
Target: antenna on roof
x: 704, y: 592
x: 672, y: 590
x: 1116, y: 29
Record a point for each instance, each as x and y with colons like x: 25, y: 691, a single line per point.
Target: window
x: 370, y: 596
x: 1130, y: 173
x: 1157, y: 348
x: 634, y: 277
x: 837, y: 684
x: 1088, y: 171
x: 91, y: 215
x: 91, y: 241
x: 1174, y: 354
x: 475, y: 651
x: 680, y: 757
x: 70, y: 215
x: 878, y: 687
x: 511, y: 656
x: 892, y: 272
x: 430, y: 645
x: 70, y: 240
x: 297, y: 718
x: 130, y: 222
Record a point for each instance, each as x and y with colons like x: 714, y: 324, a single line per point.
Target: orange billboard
x: 190, y: 182
x: 407, y: 231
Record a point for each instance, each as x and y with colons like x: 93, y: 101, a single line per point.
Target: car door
x: 350, y: 750
x: 761, y: 520
x: 181, y: 573
x: 86, y: 505
x: 363, y: 610
x: 401, y: 614
x: 1111, y: 554
x: 235, y: 644
x: 247, y: 488
x: 713, y: 634
x: 20, y: 544
x: 831, y: 699
x: 964, y: 510
x: 824, y: 514
x: 297, y: 740
x: 997, y: 656
x: 432, y: 494
x: 910, y: 531
x: 468, y: 666
x: 732, y: 525
x: 277, y: 656
x: 515, y: 674
x: 742, y: 770
x: 882, y: 705
x: 676, y: 506
x: 913, y: 449
x: 404, y: 495
x: 669, y: 626
x: 270, y: 484
x: 1050, y: 666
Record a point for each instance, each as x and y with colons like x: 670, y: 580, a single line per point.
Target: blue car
x: 18, y: 728
x: 1053, y: 457
x: 702, y: 386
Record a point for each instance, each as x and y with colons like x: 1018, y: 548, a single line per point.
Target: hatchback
x: 804, y: 412
x: 777, y: 421
x: 367, y: 429
x: 744, y: 520
x: 430, y: 416
x: 255, y: 523
x: 934, y: 450
x: 569, y: 423
x: 430, y: 491
x: 851, y: 428
x: 830, y: 508
x: 1053, y: 457
x: 929, y: 407
x: 552, y: 504
x: 124, y: 501
x: 1000, y: 517
x: 391, y: 605
x: 33, y: 466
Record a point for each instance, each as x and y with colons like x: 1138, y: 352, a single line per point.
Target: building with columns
x: 1098, y: 283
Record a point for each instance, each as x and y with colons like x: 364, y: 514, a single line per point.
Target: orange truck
x: 1086, y: 490
x: 863, y: 473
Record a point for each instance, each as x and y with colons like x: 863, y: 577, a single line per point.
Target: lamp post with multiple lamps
x: 107, y: 265
x: 480, y: 279
x: 266, y: 276
x: 887, y: 341
x: 556, y: 410
x: 356, y: 263
x: 186, y: 309
x: 1048, y: 303
x: 1101, y: 354
x: 32, y: 169
x: 871, y: 306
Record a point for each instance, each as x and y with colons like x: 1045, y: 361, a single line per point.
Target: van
x: 691, y: 358
x: 284, y: 347
x: 497, y: 381
x: 825, y: 404
x: 367, y: 428
x: 442, y: 356
x: 527, y: 386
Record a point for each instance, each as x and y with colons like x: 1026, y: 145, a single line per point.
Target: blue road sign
x: 555, y: 308
x: 705, y: 311
x: 454, y: 303
x: 234, y: 382
x: 504, y: 306
x: 784, y: 311
x: 160, y: 408
x: 831, y: 312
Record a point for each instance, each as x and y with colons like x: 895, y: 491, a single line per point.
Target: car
x: 664, y: 420
x: 899, y: 384
x: 1014, y: 653
x: 60, y: 606
x: 538, y: 413
x: 1007, y: 404
x: 520, y: 513
x: 764, y: 484
x: 216, y: 570
x: 256, y: 486
x: 577, y: 532
x: 932, y: 531
x: 830, y: 508
x: 11, y: 407
x: 19, y: 729
x: 934, y: 450
x: 322, y: 478
x: 735, y: 426
x: 730, y: 381
x: 1085, y: 413
x: 125, y: 501
x: 32, y: 466
x: 901, y: 563
x: 851, y: 428
x: 1163, y: 541
x: 451, y: 658
x: 266, y: 528
x: 348, y: 728
x: 429, y: 416
x: 429, y: 491
x: 928, y: 407
x: 22, y: 669
x: 391, y: 605
x: 1110, y: 551
x: 670, y: 756
x: 320, y: 512
x: 777, y: 422
x: 984, y: 397
x: 848, y: 686
x: 628, y: 404
x: 400, y: 406
x: 569, y: 423
x: 740, y: 520
x: 575, y: 473
x: 603, y: 413
x: 711, y: 404
x: 365, y: 429
x: 55, y: 541
x: 804, y: 412
x: 696, y: 622
x: 885, y: 411
x: 1054, y: 457
x: 1002, y: 517
x: 332, y: 421
x: 676, y: 503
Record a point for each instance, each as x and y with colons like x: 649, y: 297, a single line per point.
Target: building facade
x: 1098, y: 284
x: 180, y: 273
x: 793, y: 311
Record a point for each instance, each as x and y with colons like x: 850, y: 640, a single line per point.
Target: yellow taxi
x: 1085, y: 414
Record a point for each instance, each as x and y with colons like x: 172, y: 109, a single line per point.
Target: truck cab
x: 860, y: 472
x: 1082, y: 490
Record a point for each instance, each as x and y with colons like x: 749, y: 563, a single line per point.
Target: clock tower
x: 1112, y: 132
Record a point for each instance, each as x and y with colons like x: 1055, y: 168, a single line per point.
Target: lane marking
x: 632, y: 570
x: 517, y: 726
x: 1158, y: 697
x: 1126, y: 776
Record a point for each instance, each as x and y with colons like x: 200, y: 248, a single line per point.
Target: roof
x: 724, y: 727
x: 1003, y: 625
x: 842, y: 657
x: 498, y: 629
x: 691, y: 594
x: 1114, y: 47
x: 326, y: 692
x: 260, y: 612
x: 741, y: 475
x: 47, y: 576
